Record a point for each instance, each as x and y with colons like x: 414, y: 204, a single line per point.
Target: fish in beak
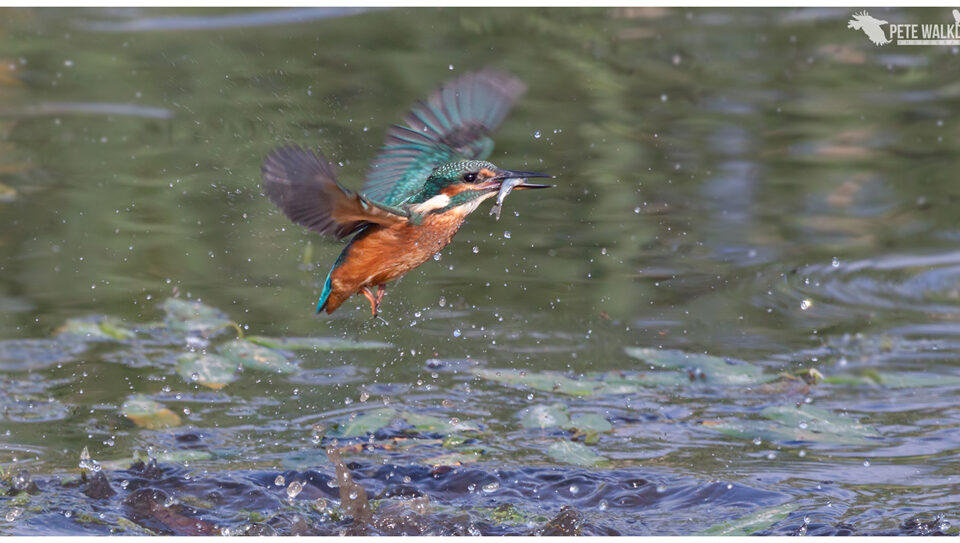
x: 511, y: 180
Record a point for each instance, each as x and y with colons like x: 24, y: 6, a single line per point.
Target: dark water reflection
x: 757, y: 184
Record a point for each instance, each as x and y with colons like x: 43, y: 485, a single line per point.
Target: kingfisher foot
x: 381, y: 290
x: 374, y: 302
x: 374, y: 299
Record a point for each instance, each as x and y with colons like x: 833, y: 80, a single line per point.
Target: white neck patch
x: 439, y: 201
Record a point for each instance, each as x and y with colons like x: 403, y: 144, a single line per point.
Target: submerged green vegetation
x: 566, y: 426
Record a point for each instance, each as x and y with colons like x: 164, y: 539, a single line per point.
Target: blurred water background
x: 760, y: 185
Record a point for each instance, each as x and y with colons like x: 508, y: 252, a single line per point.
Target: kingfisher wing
x: 453, y: 123
x: 302, y: 184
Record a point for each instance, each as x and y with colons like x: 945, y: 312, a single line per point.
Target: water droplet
x: 294, y: 489
x: 771, y: 455
x: 506, y: 234
x: 537, y: 134
x: 364, y: 396
x: 456, y: 333
x: 835, y: 262
x: 491, y: 487
x: 802, y: 453
x: 86, y: 462
x: 353, y: 495
x: 866, y: 463
x: 21, y: 480
x: 194, y: 376
x: 757, y: 441
x: 806, y: 304
x: 476, y: 249
x: 664, y: 97
x: 661, y: 489
x: 574, y: 489
x: 442, y: 302
x: 603, y: 505
x: 802, y: 425
x: 13, y: 514
x: 279, y: 481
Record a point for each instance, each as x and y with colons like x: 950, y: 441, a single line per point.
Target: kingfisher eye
x: 469, y: 177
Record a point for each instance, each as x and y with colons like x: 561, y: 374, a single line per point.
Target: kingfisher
x: 429, y: 175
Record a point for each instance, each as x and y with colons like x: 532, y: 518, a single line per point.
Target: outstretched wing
x: 452, y: 123
x: 303, y: 185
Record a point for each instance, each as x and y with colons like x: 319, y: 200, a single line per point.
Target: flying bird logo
x: 872, y: 26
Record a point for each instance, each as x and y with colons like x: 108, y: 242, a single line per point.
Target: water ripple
x: 902, y: 282
x: 232, y: 20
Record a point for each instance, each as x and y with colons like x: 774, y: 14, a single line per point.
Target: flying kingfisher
x: 428, y: 176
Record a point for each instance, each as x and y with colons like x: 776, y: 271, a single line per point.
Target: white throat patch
x: 469, y: 207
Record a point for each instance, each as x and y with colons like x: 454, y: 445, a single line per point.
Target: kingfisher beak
x: 503, y: 175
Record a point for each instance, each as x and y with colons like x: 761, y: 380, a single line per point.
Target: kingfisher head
x: 461, y: 186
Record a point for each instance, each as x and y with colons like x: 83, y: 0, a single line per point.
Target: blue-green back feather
x: 327, y: 285
x: 453, y: 123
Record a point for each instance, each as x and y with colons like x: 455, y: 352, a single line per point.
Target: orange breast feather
x: 386, y: 253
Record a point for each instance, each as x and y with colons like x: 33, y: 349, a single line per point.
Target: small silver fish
x: 505, y: 189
